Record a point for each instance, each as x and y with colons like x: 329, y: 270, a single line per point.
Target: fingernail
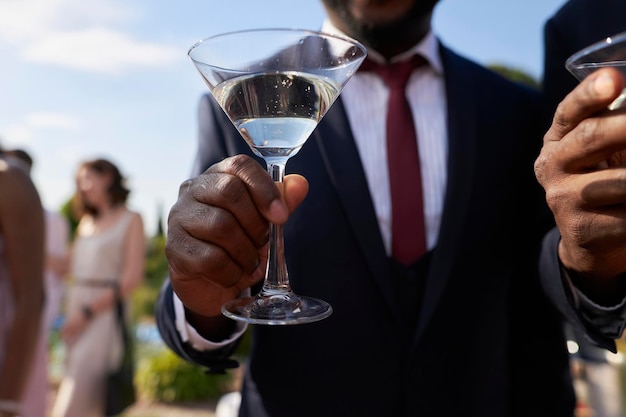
x: 278, y: 209
x: 603, y: 85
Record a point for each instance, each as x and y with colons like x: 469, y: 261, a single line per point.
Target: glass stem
x: 276, y: 275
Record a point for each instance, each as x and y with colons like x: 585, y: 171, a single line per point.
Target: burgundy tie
x: 408, y: 237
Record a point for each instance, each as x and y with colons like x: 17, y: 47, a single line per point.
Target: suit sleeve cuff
x: 610, y: 320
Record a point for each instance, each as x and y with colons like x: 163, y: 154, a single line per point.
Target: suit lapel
x: 461, y: 98
x: 341, y: 159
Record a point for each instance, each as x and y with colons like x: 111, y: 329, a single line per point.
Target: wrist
x: 87, y: 312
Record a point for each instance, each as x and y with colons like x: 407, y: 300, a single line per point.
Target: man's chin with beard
x: 384, y: 35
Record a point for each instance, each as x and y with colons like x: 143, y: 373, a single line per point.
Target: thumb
x: 295, y: 189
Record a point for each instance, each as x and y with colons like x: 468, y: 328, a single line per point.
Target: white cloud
x: 79, y: 35
x: 26, y: 132
x: 70, y: 154
x: 23, y: 20
x: 52, y: 120
x: 98, y: 50
x: 17, y: 135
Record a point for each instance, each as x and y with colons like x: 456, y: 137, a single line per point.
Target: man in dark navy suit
x: 470, y: 328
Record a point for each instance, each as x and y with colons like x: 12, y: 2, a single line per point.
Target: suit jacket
x: 487, y: 342
x: 576, y: 25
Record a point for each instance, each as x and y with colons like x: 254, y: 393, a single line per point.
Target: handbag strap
x: 119, y: 307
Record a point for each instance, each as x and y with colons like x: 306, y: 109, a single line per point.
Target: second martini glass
x: 275, y: 85
x: 609, y: 52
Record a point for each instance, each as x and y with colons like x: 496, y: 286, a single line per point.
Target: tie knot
x: 397, y: 74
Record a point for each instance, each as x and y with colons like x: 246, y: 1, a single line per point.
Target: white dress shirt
x: 364, y: 98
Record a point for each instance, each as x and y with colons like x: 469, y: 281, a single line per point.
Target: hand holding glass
x: 275, y: 85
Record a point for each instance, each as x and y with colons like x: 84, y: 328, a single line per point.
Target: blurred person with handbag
x: 107, y: 258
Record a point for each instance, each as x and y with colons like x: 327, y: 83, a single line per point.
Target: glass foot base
x: 277, y: 309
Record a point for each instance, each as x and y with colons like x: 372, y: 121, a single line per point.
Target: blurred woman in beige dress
x: 108, y: 250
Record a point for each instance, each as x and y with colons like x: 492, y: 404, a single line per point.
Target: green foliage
x: 156, y: 262
x: 515, y: 75
x: 143, y: 302
x: 166, y: 377
x: 66, y: 211
x: 144, y: 298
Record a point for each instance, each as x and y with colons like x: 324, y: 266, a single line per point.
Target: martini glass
x: 275, y: 85
x: 610, y: 52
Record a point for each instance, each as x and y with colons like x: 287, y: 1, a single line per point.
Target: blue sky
x: 84, y: 79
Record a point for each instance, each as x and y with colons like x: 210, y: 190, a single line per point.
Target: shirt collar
x: 428, y: 47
